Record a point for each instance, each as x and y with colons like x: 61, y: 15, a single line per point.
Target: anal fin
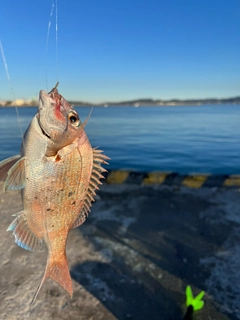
x: 24, y: 237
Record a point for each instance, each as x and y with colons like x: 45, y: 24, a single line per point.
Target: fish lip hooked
x: 53, y: 94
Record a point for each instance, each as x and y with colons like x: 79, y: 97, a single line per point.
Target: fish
x: 58, y: 173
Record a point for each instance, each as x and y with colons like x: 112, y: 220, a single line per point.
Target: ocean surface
x: 198, y: 139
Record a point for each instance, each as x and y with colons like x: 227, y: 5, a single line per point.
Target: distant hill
x: 136, y: 103
x: 158, y: 102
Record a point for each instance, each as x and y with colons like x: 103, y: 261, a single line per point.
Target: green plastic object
x: 197, y: 302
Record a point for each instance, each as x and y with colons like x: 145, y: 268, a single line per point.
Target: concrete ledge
x: 171, y: 178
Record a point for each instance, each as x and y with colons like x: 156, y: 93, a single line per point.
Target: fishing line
x: 11, y: 88
x: 56, y: 29
x: 48, y: 243
x: 13, y: 95
x: 47, y: 41
x: 54, y: 5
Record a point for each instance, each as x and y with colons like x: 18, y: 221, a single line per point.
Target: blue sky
x: 120, y: 50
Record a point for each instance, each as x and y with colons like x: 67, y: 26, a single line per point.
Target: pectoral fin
x: 6, y: 164
x: 16, y: 176
x: 24, y: 237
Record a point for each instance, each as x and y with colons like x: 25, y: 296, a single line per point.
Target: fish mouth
x: 53, y: 94
x: 44, y: 98
x: 52, y: 116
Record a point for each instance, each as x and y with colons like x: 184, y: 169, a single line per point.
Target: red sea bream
x: 58, y: 172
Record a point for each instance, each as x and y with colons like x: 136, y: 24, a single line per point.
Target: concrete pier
x: 133, y: 257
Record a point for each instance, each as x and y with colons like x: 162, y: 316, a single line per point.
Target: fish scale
x: 59, y: 172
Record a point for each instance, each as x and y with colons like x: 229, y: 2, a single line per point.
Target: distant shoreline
x: 135, y: 103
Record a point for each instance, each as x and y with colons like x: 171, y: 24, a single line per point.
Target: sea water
x: 183, y: 139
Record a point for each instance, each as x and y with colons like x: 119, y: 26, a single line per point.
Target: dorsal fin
x: 98, y: 159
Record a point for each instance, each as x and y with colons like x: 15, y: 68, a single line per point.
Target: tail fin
x: 58, y: 271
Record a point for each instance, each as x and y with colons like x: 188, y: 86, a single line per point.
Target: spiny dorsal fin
x: 98, y: 159
x: 24, y: 237
x: 16, y: 176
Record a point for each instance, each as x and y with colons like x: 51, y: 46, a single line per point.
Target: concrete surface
x: 133, y: 257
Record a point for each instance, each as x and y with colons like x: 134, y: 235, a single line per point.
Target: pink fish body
x: 58, y: 171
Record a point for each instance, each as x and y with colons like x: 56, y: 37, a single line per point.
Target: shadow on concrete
x: 148, y: 266
x: 123, y: 294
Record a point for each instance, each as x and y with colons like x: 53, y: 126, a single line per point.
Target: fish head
x: 58, y: 120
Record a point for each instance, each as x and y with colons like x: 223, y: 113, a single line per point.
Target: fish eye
x: 74, y: 119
